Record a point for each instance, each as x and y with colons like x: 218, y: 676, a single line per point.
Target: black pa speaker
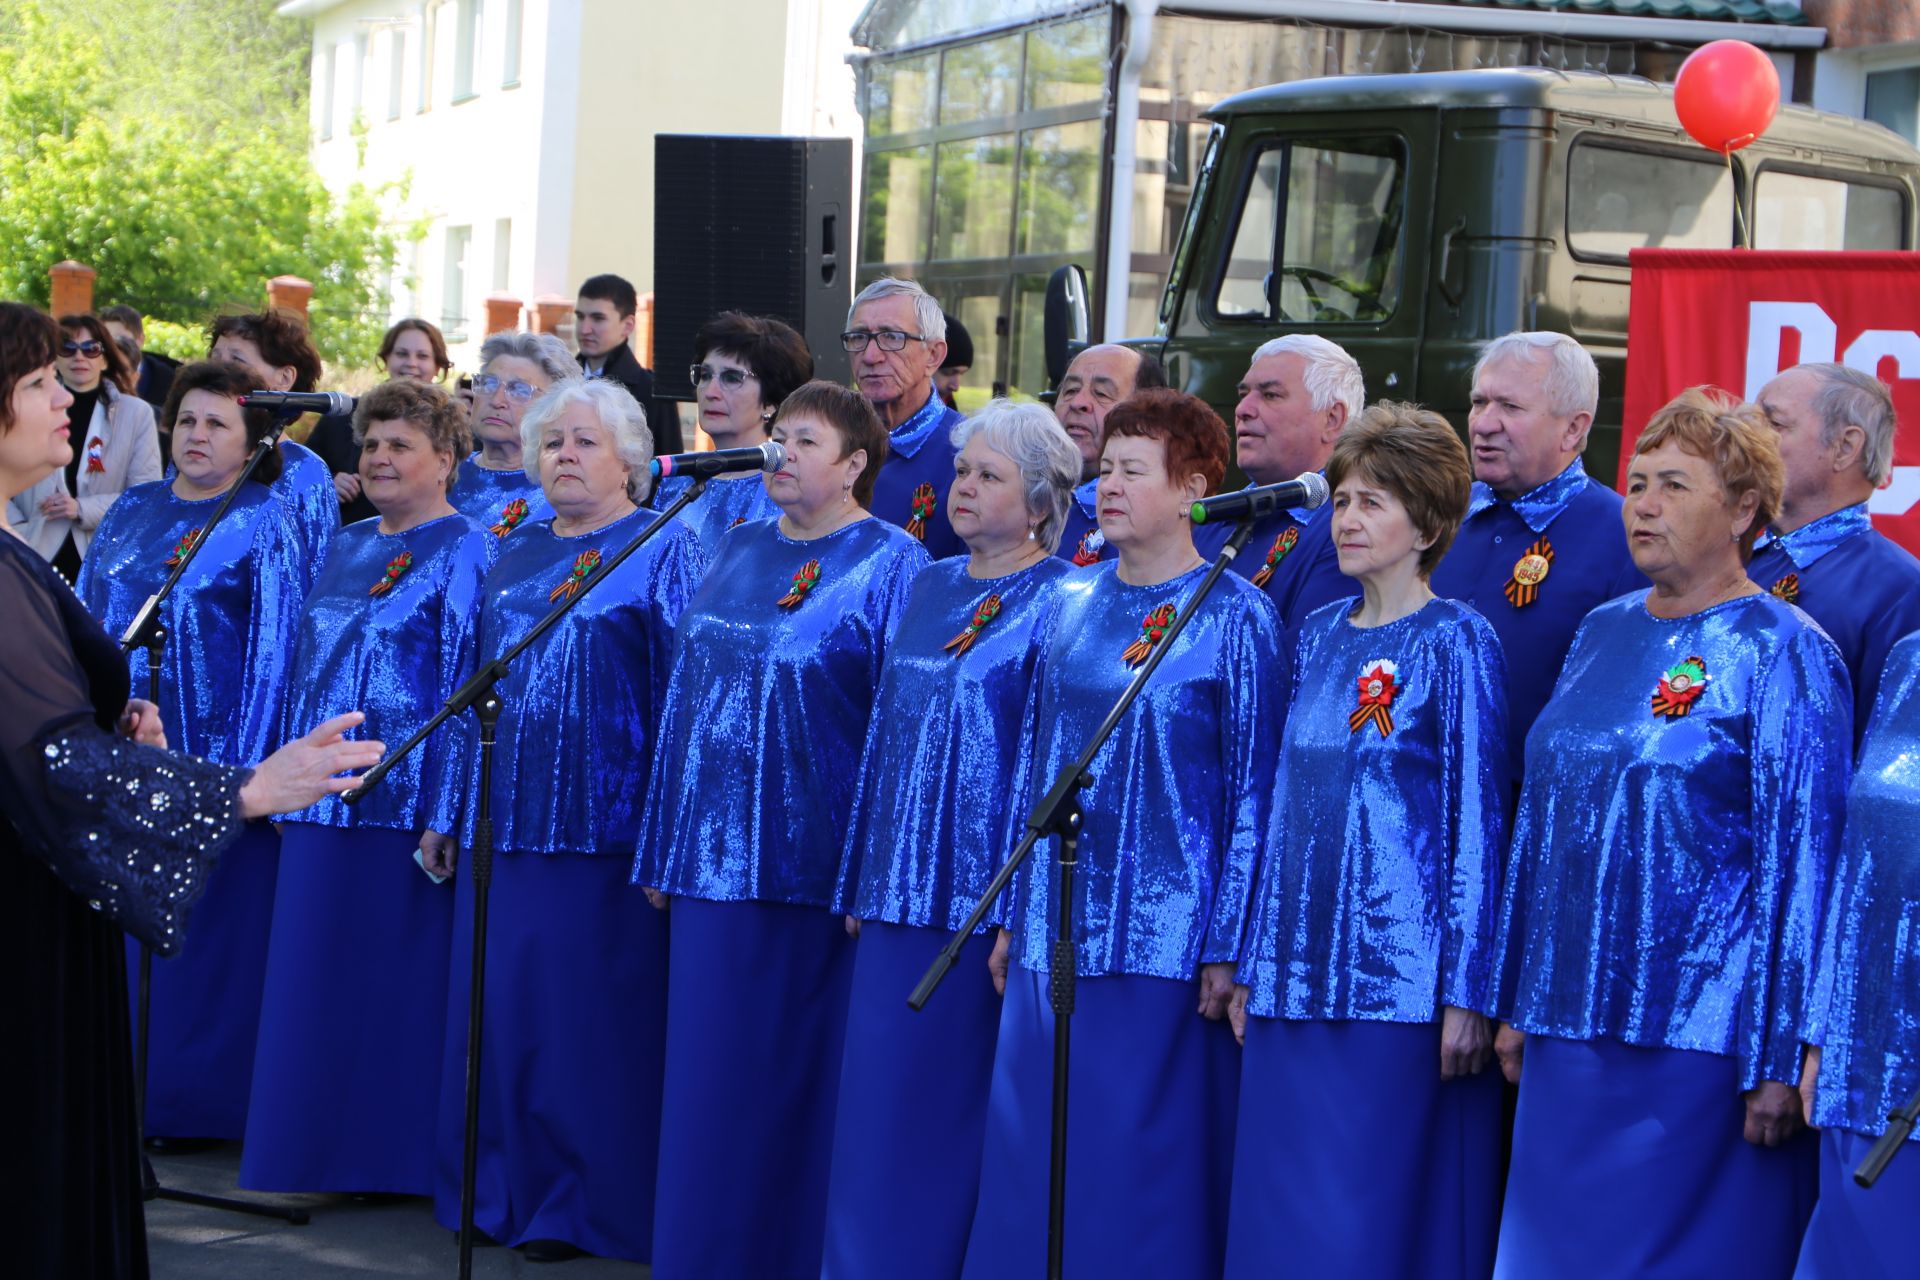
x: 750, y: 224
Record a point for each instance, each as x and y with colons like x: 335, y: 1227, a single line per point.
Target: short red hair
x: 1197, y: 442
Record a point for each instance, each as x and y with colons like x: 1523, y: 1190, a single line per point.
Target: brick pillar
x: 289, y: 293
x: 503, y: 313
x: 551, y: 312
x: 72, y: 288
x: 643, y: 330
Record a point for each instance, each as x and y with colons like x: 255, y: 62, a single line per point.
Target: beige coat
x: 129, y: 447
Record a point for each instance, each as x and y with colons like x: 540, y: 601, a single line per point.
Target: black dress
x: 97, y: 835
x: 332, y: 439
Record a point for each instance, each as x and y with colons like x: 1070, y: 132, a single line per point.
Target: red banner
x: 1737, y: 317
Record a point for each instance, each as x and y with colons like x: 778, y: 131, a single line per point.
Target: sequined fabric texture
x: 1183, y: 790
x: 936, y: 779
x: 1866, y: 1006
x: 482, y: 495
x: 760, y: 746
x: 576, y: 741
x: 1667, y: 874
x: 230, y: 623
x: 1378, y: 887
x: 397, y: 656
x: 723, y: 504
x: 305, y: 488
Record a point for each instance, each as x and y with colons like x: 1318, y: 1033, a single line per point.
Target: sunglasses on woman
x: 87, y: 348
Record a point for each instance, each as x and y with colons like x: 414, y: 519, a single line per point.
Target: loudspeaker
x: 752, y: 224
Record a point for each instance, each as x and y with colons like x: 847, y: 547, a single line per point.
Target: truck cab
x: 1411, y: 218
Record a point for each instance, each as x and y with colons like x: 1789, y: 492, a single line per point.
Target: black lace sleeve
x: 133, y: 830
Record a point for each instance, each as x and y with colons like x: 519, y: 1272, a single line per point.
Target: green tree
x: 169, y: 153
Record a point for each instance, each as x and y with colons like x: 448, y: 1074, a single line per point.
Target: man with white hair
x: 1543, y: 542
x: 1299, y: 392
x: 897, y: 336
x: 1836, y: 439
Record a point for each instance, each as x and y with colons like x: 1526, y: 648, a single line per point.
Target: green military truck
x: 1410, y: 218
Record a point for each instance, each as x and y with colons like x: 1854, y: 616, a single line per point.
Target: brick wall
x: 1854, y: 24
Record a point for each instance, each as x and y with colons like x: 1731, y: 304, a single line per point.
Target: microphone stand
x: 1900, y: 1124
x: 481, y: 694
x: 148, y: 632
x: 1058, y: 814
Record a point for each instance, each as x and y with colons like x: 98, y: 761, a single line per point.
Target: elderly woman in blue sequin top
x: 1865, y: 1019
x: 230, y: 625
x: 1176, y: 813
x: 773, y: 680
x: 576, y: 982
x: 1367, y: 965
x: 389, y: 627
x: 928, y: 833
x: 1677, y: 830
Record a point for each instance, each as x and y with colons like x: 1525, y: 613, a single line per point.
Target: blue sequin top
x: 230, y: 623
x: 1866, y: 1006
x: 1378, y: 887
x: 723, y: 504
x: 760, y: 743
x: 395, y: 653
x: 576, y: 737
x: 936, y: 778
x: 487, y: 498
x: 305, y: 486
x: 1667, y: 872
x: 1181, y: 792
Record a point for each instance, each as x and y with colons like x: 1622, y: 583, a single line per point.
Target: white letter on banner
x: 1766, y: 321
x: 1902, y: 491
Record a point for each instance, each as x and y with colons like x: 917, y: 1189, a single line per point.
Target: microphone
x: 301, y: 401
x: 1309, y: 490
x: 713, y: 462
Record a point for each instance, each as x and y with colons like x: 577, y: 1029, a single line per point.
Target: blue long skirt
x: 1354, y: 1159
x: 352, y: 1023
x: 756, y: 1015
x: 1859, y: 1234
x: 206, y: 998
x: 1631, y: 1162
x: 1151, y: 1097
x: 913, y: 1109
x: 571, y: 1048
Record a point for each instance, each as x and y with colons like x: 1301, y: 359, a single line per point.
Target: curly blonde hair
x: 1715, y: 426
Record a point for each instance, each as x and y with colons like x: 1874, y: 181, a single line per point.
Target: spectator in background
x: 1098, y: 379
x: 412, y: 348
x: 604, y: 316
x: 153, y: 372
x: 897, y: 336
x: 114, y: 447
x: 946, y: 383
x: 274, y: 344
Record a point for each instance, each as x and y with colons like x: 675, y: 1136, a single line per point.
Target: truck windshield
x: 1318, y: 234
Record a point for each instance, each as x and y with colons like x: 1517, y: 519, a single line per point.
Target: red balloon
x: 1726, y: 94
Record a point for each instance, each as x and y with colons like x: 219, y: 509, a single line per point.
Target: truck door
x: 1314, y: 224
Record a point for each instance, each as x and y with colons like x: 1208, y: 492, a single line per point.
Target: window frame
x: 1848, y: 177
x: 1642, y: 147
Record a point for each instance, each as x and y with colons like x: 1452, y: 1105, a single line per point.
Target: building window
x: 396, y: 72
x: 453, y: 284
x: 1893, y: 99
x: 361, y: 52
x: 325, y: 96
x: 423, y: 79
x: 502, y: 253
x: 510, y: 47
x: 466, y: 49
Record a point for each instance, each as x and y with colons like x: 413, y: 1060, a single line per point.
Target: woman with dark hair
x: 230, y: 627
x: 1173, y: 820
x: 114, y: 447
x: 759, y: 751
x: 389, y: 628
x: 275, y: 345
x: 1678, y: 825
x: 1370, y: 950
x: 744, y: 367
x: 84, y: 779
x: 412, y: 349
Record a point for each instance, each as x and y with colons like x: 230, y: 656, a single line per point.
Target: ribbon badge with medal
x: 1529, y: 571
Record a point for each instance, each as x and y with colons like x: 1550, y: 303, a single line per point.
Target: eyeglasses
x: 87, y: 348
x: 856, y: 340
x: 731, y: 379
x: 488, y: 383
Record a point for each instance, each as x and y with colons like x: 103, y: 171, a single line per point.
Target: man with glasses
x: 897, y: 336
x: 604, y: 316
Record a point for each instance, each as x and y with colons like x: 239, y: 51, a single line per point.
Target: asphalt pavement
x: 345, y: 1237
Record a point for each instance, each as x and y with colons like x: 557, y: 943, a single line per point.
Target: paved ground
x: 345, y: 1238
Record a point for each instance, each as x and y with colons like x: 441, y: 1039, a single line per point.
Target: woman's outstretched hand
x: 309, y: 769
